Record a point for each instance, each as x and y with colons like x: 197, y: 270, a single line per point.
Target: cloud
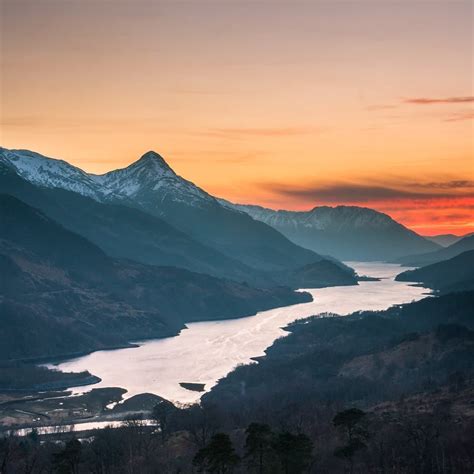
x: 430, y: 100
x: 453, y: 184
x: 365, y: 193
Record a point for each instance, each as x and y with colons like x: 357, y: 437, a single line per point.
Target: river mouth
x: 207, y: 351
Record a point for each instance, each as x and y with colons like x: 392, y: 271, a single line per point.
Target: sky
x: 289, y: 104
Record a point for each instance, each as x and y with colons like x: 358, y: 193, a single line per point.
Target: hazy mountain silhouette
x: 463, y: 245
x: 445, y: 240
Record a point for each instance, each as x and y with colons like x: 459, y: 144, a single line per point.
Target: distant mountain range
x: 344, y: 232
x: 462, y: 245
x: 64, y: 295
x: 445, y: 240
x: 147, y: 213
x: 452, y: 275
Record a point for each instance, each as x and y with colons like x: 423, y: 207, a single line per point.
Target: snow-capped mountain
x: 150, y: 174
x: 150, y: 185
x: 50, y: 173
x: 345, y: 232
x: 151, y: 180
x: 339, y: 219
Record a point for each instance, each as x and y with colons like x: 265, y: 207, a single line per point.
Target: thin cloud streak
x: 431, y: 100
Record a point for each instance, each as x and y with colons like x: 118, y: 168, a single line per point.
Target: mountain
x: 463, y: 245
x: 124, y: 232
x: 50, y: 173
x: 455, y: 274
x: 64, y: 295
x: 345, y: 232
x: 152, y: 187
x: 445, y: 240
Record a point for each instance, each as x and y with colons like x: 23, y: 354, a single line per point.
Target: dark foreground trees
x: 265, y: 452
x: 403, y: 440
x: 218, y: 456
x: 351, y: 424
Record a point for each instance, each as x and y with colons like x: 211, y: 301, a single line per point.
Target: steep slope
x: 455, y: 274
x: 345, y: 232
x: 64, y: 295
x: 151, y: 186
x: 463, y: 245
x: 125, y: 232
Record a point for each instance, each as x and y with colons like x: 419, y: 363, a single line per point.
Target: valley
x: 203, y: 353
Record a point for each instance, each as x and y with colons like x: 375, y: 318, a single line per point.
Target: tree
x: 162, y: 413
x: 258, y: 447
x: 218, y: 456
x: 351, y: 423
x: 67, y: 460
x: 202, y: 423
x: 294, y: 452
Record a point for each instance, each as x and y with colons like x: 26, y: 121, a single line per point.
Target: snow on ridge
x: 149, y: 178
x: 318, y: 218
x: 49, y: 172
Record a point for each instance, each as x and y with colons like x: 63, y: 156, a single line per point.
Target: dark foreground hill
x: 455, y: 274
x: 62, y: 294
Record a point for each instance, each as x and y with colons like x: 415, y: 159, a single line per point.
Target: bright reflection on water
x: 207, y: 351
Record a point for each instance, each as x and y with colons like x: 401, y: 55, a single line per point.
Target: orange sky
x: 284, y: 104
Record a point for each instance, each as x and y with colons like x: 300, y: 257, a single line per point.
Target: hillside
x: 124, y: 232
x: 65, y: 295
x: 455, y: 274
x: 147, y: 213
x: 364, y: 358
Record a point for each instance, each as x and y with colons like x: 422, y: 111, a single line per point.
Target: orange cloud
x: 427, y: 207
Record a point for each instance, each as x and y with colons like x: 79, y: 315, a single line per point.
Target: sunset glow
x: 287, y: 105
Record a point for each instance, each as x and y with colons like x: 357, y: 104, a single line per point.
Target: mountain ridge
x: 344, y: 232
x: 76, y: 298
x: 151, y: 186
x: 462, y: 245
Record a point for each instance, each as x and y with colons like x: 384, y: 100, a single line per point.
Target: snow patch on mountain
x: 49, y: 172
x: 339, y: 218
x: 149, y: 179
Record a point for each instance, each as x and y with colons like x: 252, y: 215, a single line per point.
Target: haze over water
x: 207, y: 351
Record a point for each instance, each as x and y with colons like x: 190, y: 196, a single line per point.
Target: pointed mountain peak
x: 151, y: 158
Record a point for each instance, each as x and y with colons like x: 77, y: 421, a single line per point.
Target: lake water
x: 207, y: 351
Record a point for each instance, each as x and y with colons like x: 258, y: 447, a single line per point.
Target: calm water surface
x: 207, y: 351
